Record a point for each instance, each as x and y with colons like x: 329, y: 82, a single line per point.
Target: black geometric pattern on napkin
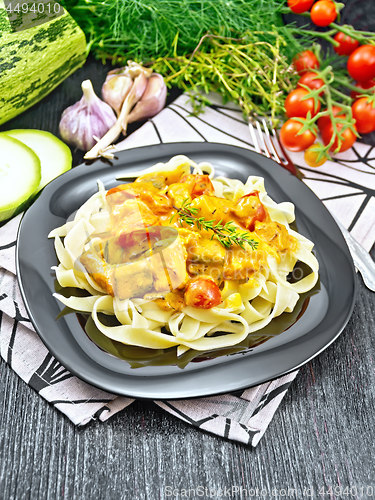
x: 50, y: 372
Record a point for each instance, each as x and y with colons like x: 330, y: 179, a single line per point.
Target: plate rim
x: 128, y: 393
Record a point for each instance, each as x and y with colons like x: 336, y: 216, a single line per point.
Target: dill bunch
x: 143, y: 30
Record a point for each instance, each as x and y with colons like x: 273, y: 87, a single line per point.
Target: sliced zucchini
x: 20, y: 175
x: 55, y: 156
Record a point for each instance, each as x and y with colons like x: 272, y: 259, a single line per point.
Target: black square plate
x: 326, y: 315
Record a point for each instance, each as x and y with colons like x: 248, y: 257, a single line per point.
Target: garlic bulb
x: 152, y: 100
x: 143, y: 95
x: 136, y: 92
x: 116, y: 87
x: 88, y: 118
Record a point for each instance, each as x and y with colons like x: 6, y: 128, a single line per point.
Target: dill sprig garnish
x: 227, y: 234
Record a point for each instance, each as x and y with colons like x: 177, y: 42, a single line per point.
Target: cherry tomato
x: 299, y: 6
x: 311, y: 157
x: 323, y: 13
x: 323, y: 121
x: 250, y: 210
x: 361, y: 63
x: 311, y: 80
x: 348, y: 138
x: 202, y: 292
x: 202, y: 185
x: 362, y: 85
x: 295, y: 105
x: 364, y: 113
x: 347, y: 44
x: 304, y: 61
x: 291, y: 140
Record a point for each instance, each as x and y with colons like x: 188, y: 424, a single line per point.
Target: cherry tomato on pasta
x: 348, y: 138
x: 364, y: 114
x: 347, y: 44
x: 203, y: 293
x: 311, y: 80
x: 291, y: 140
x: 361, y: 63
x: 296, y: 105
x: 202, y: 185
x: 304, y: 61
x: 299, y: 6
x: 250, y: 210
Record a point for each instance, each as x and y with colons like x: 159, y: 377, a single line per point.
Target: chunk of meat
x: 242, y: 264
x: 213, y: 270
x: 158, y: 203
x: 178, y: 193
x: 147, y: 192
x: 132, y: 280
x: 275, y: 234
x: 206, y: 251
x: 214, y: 208
x: 130, y: 216
x: 168, y: 265
x: 170, y: 301
x: 113, y: 253
x: 206, y: 256
x: 123, y: 192
x: 99, y: 270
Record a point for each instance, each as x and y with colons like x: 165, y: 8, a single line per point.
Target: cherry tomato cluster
x: 338, y: 126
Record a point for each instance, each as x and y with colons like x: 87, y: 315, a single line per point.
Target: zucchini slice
x: 20, y: 175
x: 55, y: 156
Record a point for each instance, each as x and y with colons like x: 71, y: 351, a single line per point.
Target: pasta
x: 183, y: 259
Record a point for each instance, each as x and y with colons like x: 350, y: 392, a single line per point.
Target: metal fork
x: 267, y: 146
x: 361, y: 258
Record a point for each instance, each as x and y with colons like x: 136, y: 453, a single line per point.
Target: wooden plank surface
x: 322, y: 436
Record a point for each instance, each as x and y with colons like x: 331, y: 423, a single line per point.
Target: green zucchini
x: 20, y: 176
x: 35, y: 61
x: 55, y: 156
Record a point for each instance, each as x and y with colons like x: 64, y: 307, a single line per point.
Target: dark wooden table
x: 322, y: 436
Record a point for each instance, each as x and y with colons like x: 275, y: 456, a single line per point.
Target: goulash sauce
x: 150, y: 252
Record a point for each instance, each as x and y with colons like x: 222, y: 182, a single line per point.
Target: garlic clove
x: 135, y: 94
x: 115, y: 88
x: 152, y: 100
x: 88, y: 117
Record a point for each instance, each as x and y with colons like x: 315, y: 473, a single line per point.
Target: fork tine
x: 272, y: 146
x: 260, y: 133
x: 275, y: 136
x: 254, y: 137
x: 270, y: 151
